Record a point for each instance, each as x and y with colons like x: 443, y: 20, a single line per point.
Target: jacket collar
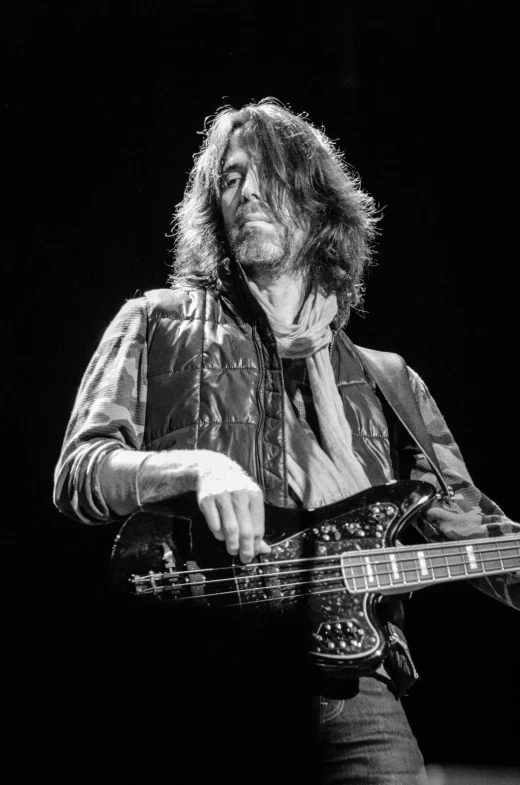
x: 233, y: 285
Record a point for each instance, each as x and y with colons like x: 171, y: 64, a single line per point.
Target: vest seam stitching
x: 191, y: 368
x: 184, y: 318
x: 190, y: 424
x: 197, y: 422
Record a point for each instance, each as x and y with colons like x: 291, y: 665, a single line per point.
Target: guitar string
x: 262, y: 600
x: 233, y: 581
x: 246, y: 601
x: 251, y: 570
x: 379, y: 558
x: 257, y: 601
x: 354, y: 580
x: 244, y: 591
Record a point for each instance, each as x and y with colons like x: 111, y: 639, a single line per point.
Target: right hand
x: 233, y: 506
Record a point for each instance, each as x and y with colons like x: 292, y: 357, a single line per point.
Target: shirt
x: 109, y: 414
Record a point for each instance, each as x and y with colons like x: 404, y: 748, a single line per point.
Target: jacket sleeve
x: 108, y: 414
x: 471, y: 513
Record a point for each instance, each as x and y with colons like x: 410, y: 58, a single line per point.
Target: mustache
x: 259, y: 209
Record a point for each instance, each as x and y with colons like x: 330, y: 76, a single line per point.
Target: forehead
x: 237, y: 155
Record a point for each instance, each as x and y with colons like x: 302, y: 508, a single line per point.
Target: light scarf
x: 318, y: 476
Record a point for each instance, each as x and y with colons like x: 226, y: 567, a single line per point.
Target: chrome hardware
x: 449, y: 497
x: 167, y: 558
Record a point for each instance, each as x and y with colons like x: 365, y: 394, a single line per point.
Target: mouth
x: 252, y: 218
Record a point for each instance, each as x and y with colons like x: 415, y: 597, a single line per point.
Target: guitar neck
x: 394, y: 570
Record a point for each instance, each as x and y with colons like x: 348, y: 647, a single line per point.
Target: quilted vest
x: 215, y: 381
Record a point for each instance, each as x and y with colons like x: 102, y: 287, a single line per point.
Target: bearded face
x: 262, y: 246
x: 266, y: 246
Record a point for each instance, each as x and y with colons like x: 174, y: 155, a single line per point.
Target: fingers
x: 233, y: 505
x: 237, y: 517
x: 228, y: 507
x: 238, y: 526
x: 209, y: 508
x: 257, y: 513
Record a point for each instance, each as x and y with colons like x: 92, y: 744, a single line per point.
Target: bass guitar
x: 332, y: 565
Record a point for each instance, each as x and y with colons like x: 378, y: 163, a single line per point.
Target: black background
x: 103, y: 105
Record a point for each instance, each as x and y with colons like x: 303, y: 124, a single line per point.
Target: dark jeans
x: 203, y: 708
x: 362, y: 739
x: 366, y: 740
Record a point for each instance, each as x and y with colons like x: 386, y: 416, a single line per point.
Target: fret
x: 510, y: 555
x: 409, y: 565
x: 369, y: 572
x: 454, y: 560
x: 455, y: 563
x: 413, y: 567
x: 394, y: 571
x: 394, y: 574
x: 355, y: 572
x: 382, y: 569
x: 424, y: 571
x: 439, y: 564
x: 491, y: 559
x: 472, y: 559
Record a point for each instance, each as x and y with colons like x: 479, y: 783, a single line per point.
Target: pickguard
x: 175, y: 559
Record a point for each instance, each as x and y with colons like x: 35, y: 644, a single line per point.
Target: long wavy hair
x: 299, y: 163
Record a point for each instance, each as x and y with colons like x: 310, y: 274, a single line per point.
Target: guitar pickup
x: 196, y: 579
x: 266, y: 583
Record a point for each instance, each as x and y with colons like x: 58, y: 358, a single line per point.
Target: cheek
x: 228, y: 213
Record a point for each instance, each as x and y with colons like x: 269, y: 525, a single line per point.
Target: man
x: 239, y: 384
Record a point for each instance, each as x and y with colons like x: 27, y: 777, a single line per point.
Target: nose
x: 251, y: 187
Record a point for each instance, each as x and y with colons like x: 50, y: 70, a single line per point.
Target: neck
x: 285, y: 294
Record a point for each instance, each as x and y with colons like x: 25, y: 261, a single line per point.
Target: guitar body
x: 173, y: 559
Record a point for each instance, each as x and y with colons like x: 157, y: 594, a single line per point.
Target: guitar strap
x: 389, y: 372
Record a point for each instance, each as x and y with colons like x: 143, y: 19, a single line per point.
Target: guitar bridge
x: 156, y: 583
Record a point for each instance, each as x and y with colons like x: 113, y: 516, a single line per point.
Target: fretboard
x: 411, y: 567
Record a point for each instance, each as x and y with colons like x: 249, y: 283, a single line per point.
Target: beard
x: 262, y: 254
